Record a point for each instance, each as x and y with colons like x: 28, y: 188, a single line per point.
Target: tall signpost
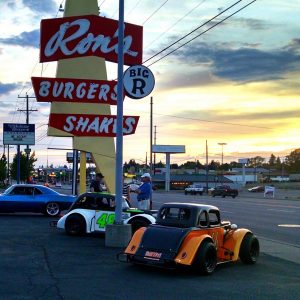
x: 81, y: 95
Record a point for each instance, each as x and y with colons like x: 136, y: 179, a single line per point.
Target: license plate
x: 153, y: 255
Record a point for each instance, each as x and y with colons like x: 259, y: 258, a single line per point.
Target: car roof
x: 190, y: 205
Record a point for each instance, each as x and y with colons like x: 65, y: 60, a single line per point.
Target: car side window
x: 203, y: 219
x: 37, y: 191
x: 102, y: 203
x: 86, y: 202
x: 214, y: 219
x: 18, y: 190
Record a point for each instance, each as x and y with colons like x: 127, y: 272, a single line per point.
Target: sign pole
x: 18, y: 164
x: 119, y: 137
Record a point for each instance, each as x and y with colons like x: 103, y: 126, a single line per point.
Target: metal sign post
x: 119, y: 138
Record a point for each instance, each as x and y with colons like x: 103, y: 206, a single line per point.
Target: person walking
x: 144, y: 192
x: 96, y: 184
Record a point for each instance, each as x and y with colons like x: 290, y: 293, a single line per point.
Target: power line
x: 208, y: 121
x: 134, y: 8
x: 155, y: 12
x: 216, y: 24
x: 174, y: 24
x: 203, y: 24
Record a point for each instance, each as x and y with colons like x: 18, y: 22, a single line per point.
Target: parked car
x: 194, y: 189
x: 91, y: 212
x: 34, y: 198
x: 191, y: 235
x: 223, y: 191
x: 257, y: 189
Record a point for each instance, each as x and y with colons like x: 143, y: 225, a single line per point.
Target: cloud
x: 216, y: 115
x: 243, y: 64
x: 25, y: 39
x: 8, y: 87
x: 40, y: 7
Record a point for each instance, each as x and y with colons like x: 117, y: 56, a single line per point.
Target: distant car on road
x: 91, y: 212
x: 257, y: 189
x: 194, y: 189
x: 34, y: 198
x: 223, y: 191
x: 191, y: 235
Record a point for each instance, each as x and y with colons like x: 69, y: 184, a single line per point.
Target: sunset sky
x: 236, y: 83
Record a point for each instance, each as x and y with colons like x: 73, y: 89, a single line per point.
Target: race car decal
x: 104, y: 218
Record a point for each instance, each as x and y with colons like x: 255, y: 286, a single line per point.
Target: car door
x: 105, y: 212
x: 19, y: 199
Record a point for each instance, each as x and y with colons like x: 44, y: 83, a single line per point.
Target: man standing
x: 144, y: 192
x: 96, y: 184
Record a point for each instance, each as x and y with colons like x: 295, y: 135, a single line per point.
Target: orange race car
x: 188, y: 234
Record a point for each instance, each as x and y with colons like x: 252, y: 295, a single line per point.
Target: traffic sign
x: 138, y: 81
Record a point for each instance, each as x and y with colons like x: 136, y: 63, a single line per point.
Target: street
x: 39, y: 262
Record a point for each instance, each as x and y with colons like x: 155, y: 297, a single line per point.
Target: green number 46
x: 105, y: 219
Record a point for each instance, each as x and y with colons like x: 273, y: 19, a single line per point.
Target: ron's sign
x: 90, y: 35
x: 18, y: 134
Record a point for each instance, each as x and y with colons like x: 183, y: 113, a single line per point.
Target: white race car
x: 92, y: 211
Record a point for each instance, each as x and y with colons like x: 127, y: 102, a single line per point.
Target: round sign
x: 138, y: 82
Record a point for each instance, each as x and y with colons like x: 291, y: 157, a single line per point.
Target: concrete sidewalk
x: 280, y: 250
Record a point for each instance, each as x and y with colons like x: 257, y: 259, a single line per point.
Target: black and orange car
x: 192, y: 235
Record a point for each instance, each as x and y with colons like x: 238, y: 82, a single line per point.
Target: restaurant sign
x: 75, y: 90
x: 92, y: 125
x: 89, y: 35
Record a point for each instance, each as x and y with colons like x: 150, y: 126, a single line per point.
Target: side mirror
x: 233, y: 226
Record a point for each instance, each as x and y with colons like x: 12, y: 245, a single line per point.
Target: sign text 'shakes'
x: 92, y: 125
x: 80, y: 36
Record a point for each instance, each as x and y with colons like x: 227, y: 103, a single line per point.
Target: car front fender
x: 87, y: 214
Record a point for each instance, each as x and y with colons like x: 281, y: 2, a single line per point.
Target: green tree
x: 256, y: 161
x: 3, y: 168
x: 272, y: 160
x: 292, y: 161
x: 24, y: 173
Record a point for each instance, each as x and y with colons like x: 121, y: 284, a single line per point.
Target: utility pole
x: 154, y: 158
x: 151, y: 132
x: 222, y: 144
x: 27, y: 110
x: 206, y: 169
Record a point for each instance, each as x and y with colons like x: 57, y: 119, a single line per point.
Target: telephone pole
x: 27, y: 110
x: 154, y: 158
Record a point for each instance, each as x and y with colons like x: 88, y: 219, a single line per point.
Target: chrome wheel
x: 52, y: 209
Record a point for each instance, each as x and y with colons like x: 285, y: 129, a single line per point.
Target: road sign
x: 138, y: 81
x: 18, y: 134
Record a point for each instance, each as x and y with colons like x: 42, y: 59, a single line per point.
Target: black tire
x: 249, y: 250
x: 223, y: 196
x: 205, y: 260
x: 137, y: 223
x: 233, y: 196
x: 185, y: 192
x: 75, y: 225
x: 52, y: 209
x: 200, y: 193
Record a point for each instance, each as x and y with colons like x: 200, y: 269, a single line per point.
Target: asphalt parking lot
x: 38, y: 262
